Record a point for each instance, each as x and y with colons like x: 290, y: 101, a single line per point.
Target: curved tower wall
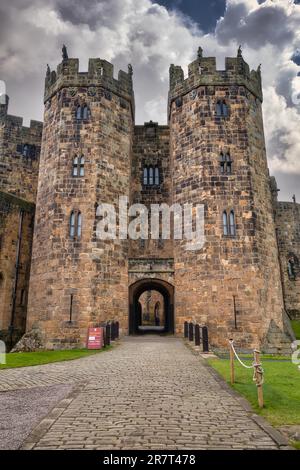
x: 233, y: 284
x: 82, y: 281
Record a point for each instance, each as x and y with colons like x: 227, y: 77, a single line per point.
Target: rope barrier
x: 257, y: 368
x: 235, y: 353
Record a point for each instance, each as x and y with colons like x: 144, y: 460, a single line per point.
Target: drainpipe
x: 15, y: 286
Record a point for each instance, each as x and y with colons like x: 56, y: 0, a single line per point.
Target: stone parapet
x: 99, y: 74
x: 203, y: 72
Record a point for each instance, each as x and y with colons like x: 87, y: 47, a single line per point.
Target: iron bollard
x: 112, y: 331
x: 205, y: 339
x: 191, y: 332
x: 197, y: 335
x: 107, y: 334
x: 117, y: 329
x: 186, y: 329
x: 104, y: 334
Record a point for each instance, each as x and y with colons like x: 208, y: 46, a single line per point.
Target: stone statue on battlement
x: 65, y: 53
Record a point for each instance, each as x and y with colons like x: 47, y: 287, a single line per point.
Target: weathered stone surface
x: 244, y: 265
x: 287, y: 218
x: 78, y: 282
x: 19, y: 164
x: 93, y: 271
x: 31, y: 341
x: 276, y: 341
x: 19, y: 167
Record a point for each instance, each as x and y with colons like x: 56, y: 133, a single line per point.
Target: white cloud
x: 150, y: 37
x: 282, y: 129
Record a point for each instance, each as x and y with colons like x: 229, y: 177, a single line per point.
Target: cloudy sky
x: 152, y: 34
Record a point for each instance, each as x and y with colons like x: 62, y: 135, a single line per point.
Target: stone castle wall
x: 233, y: 284
x: 91, y: 272
x: 11, y: 224
x: 230, y: 276
x: 19, y: 166
x: 19, y: 155
x: 151, y: 148
x: 287, y: 216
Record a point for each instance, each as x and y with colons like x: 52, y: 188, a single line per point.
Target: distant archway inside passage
x: 151, y: 307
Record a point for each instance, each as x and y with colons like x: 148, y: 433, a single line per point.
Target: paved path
x: 147, y: 393
x: 22, y: 410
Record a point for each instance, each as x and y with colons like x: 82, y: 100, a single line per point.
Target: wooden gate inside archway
x: 143, y: 319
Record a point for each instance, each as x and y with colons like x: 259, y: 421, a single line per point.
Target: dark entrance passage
x: 151, y: 307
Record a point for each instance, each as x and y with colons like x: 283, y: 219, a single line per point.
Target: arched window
x: 225, y: 223
x: 226, y: 163
x: 145, y: 176
x: 219, y: 108
x: 85, y: 112
x: 151, y: 176
x: 222, y: 108
x: 72, y: 224
x: 293, y: 267
x: 79, y: 224
x: 75, y: 166
x: 78, y: 113
x: 82, y: 112
x: 81, y: 166
x: 78, y: 166
x: 232, y: 223
x: 75, y: 225
x: 222, y: 163
x: 229, y: 228
x: 156, y: 176
x: 25, y: 150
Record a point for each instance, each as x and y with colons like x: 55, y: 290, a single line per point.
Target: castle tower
x: 19, y: 167
x: 78, y: 280
x: 218, y: 159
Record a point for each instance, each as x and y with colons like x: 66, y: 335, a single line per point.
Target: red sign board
x: 95, y: 338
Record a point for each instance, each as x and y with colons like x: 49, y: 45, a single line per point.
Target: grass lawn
x: 281, y: 388
x: 44, y: 357
x: 296, y: 328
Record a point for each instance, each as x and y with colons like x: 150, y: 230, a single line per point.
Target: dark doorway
x: 151, y: 307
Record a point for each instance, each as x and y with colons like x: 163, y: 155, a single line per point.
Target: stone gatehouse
x: 244, y: 282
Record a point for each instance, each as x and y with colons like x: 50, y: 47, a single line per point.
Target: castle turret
x: 4, y: 101
x: 219, y: 160
x: 77, y: 279
x: 19, y: 153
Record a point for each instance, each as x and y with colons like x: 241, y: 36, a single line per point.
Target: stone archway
x: 136, y: 290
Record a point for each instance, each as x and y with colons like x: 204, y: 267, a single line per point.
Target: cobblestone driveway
x: 148, y: 393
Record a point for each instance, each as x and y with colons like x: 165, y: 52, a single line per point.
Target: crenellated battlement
x: 35, y: 127
x: 100, y: 73
x: 11, y: 121
x: 203, y: 72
